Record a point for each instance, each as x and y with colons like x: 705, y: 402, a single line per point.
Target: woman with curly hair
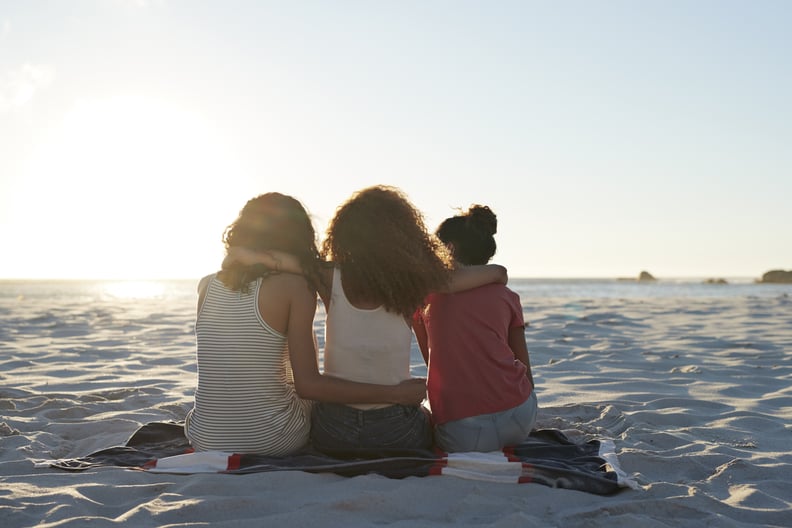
x: 384, y: 264
x: 481, y: 389
x: 256, y: 349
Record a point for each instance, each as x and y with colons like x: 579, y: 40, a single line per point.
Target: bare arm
x: 520, y: 349
x: 203, y: 285
x: 277, y: 260
x: 469, y: 277
x: 421, y: 336
x: 311, y: 384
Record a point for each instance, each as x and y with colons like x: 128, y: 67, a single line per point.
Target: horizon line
x: 541, y: 277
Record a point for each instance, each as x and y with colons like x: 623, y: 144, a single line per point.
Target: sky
x: 609, y: 137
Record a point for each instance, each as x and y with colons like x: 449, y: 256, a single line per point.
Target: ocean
x: 183, y: 290
x: 161, y: 313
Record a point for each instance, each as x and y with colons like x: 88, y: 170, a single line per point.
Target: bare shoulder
x: 203, y: 286
x: 291, y: 280
x: 283, y: 295
x: 204, y: 282
x: 289, y: 285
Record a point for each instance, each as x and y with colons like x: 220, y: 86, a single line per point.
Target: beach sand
x: 696, y: 393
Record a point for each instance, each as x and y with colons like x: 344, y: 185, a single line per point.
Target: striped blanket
x: 548, y: 457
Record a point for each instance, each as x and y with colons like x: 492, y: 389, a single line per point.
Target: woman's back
x: 472, y: 369
x: 365, y: 345
x: 245, y: 399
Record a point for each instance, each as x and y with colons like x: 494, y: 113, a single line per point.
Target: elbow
x: 307, y: 394
x: 306, y: 389
x: 503, y: 274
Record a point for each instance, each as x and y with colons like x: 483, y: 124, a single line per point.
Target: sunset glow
x: 608, y: 137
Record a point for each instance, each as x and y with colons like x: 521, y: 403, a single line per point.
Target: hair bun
x: 482, y: 218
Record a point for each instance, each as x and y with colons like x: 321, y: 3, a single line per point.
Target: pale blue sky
x: 609, y: 137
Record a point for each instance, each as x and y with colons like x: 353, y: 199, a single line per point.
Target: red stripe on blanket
x: 437, y: 467
x: 508, y: 452
x: 527, y: 471
x: 234, y: 462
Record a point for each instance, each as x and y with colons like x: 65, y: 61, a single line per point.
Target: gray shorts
x: 489, y: 432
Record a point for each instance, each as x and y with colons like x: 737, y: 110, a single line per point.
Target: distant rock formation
x: 777, y: 277
x: 645, y: 276
x: 715, y: 281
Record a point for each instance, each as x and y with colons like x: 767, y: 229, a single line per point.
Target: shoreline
x: 669, y: 279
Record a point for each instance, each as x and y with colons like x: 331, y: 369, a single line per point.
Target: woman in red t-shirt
x: 480, y: 384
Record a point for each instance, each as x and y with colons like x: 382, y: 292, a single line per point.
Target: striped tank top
x: 245, y: 400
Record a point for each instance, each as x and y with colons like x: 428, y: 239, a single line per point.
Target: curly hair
x: 271, y: 221
x: 386, y: 255
x: 472, y: 234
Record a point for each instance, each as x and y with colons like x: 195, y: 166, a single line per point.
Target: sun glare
x: 123, y: 183
x: 134, y: 289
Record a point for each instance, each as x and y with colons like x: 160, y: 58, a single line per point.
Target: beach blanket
x: 548, y: 457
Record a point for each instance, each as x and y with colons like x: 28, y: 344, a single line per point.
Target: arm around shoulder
x: 469, y: 277
x: 312, y: 385
x: 276, y: 260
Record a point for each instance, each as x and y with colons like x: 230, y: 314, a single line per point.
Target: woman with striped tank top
x: 384, y: 263
x: 256, y: 349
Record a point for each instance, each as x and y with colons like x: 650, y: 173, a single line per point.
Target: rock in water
x: 777, y: 276
x: 646, y: 276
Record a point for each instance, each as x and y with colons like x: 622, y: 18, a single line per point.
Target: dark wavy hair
x: 271, y: 221
x: 386, y: 255
x: 472, y: 234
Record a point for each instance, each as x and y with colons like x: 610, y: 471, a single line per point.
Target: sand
x: 696, y: 393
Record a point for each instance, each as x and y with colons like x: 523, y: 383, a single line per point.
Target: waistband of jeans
x: 341, y: 410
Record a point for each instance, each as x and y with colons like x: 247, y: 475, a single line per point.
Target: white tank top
x: 369, y: 346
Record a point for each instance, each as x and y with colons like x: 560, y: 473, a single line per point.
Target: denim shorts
x: 343, y: 430
x: 489, y: 432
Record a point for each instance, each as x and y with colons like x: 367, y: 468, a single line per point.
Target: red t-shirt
x: 472, y: 370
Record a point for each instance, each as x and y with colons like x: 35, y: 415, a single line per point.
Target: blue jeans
x: 489, y: 432
x: 342, y: 430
